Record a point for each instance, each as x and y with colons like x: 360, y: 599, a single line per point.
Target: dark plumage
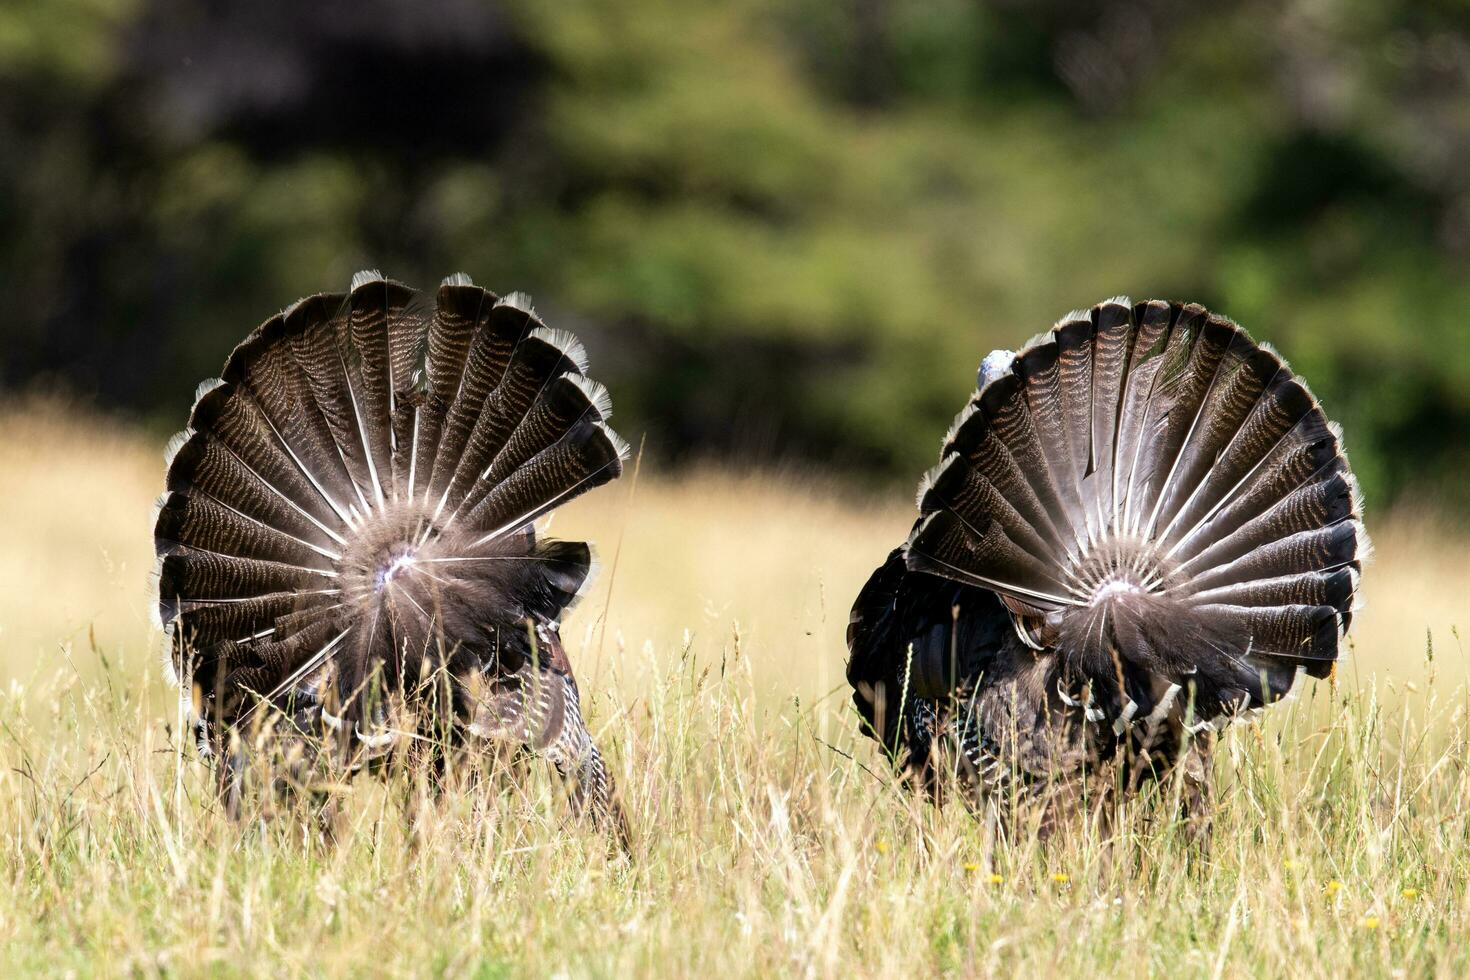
x: 347, y: 545
x: 1141, y: 527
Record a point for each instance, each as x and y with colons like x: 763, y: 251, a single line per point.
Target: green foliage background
x: 785, y: 229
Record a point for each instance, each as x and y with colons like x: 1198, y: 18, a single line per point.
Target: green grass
x: 769, y: 839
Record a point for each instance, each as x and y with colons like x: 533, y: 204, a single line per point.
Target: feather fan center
x: 1116, y: 566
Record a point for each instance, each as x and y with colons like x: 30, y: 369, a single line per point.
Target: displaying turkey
x: 1141, y: 527
x: 347, y: 548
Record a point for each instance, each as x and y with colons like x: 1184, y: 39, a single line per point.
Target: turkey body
x: 1142, y: 527
x: 347, y: 545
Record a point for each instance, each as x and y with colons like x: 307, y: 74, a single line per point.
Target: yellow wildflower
x: 1410, y: 893
x: 881, y: 847
x: 971, y: 867
x: 1334, y: 886
x: 1371, y: 922
x: 997, y: 879
x: 1061, y: 878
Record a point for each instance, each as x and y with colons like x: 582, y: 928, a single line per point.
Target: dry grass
x: 712, y: 648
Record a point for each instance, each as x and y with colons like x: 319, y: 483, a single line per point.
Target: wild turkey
x: 347, y: 543
x: 1141, y: 527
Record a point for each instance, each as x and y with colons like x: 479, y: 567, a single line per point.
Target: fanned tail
x: 1147, y: 489
x: 349, y: 517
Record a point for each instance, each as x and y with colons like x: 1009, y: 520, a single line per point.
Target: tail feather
x: 1281, y: 408
x: 273, y: 658
x: 317, y: 336
x: 378, y: 313
x: 231, y: 415
x: 407, y: 349
x: 1311, y: 506
x: 206, y: 466
x: 1332, y: 588
x: 458, y: 313
x: 1240, y: 379
x: 1145, y: 485
x: 588, y: 457
x: 1112, y: 351
x: 281, y: 392
x: 955, y: 486
x: 1075, y: 356
x: 566, y: 401
x: 1199, y: 345
x: 564, y: 567
x: 210, y: 525
x: 977, y: 442
x: 989, y: 559
x: 495, y: 339
x: 1046, y: 410
x: 201, y: 574
x: 535, y: 363
x: 236, y: 618
x: 1138, y: 408
x: 1292, y: 469
x: 1006, y: 410
x: 1320, y: 550
x: 1299, y: 633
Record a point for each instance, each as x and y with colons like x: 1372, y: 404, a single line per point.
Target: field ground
x: 769, y: 840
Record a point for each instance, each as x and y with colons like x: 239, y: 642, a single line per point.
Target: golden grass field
x: 769, y: 839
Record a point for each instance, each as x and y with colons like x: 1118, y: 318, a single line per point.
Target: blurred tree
x: 784, y: 228
x: 169, y: 171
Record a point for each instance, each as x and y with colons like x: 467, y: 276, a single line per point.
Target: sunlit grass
x: 768, y: 839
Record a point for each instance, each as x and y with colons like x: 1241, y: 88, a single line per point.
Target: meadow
x: 769, y: 839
